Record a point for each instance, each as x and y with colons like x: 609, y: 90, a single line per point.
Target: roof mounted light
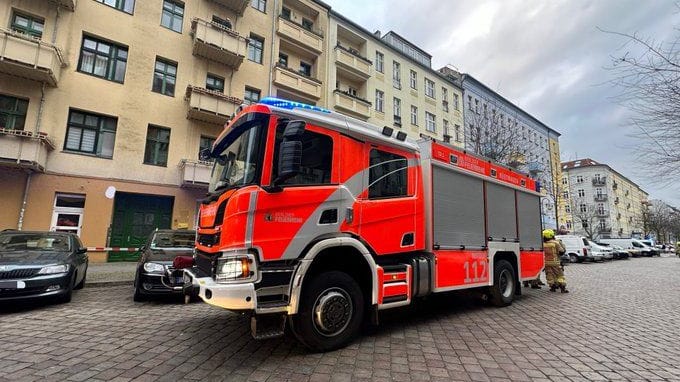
x: 290, y: 105
x: 387, y: 131
x: 401, y: 136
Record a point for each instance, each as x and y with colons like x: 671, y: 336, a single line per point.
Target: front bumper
x: 159, y: 283
x: 237, y: 296
x: 35, y: 287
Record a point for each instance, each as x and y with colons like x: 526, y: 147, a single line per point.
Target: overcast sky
x: 548, y: 57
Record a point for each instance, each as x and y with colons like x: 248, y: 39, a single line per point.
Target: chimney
x: 376, y: 34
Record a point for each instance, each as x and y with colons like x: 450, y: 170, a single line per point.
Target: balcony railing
x: 195, y: 173
x: 238, y: 6
x: 599, y: 181
x: 299, y: 83
x: 353, y: 63
x: 600, y: 197
x: 28, y: 57
x: 310, y: 39
x: 218, y: 43
x: 210, y: 106
x: 352, y: 104
x: 19, y: 148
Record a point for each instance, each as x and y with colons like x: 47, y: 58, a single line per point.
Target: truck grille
x: 19, y: 273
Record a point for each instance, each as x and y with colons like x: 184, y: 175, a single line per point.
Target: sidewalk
x: 110, y: 274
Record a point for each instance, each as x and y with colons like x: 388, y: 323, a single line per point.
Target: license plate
x: 12, y: 285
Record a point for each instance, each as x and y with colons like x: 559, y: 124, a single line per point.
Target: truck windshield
x: 238, y: 155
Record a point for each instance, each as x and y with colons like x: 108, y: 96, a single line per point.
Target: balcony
x: 351, y: 104
x: 238, y: 6
x: 517, y: 159
x: 25, y: 149
x: 311, y: 40
x: 210, y: 106
x: 600, y: 197
x: 195, y: 173
x: 352, y: 63
x: 308, y: 87
x: 218, y: 43
x: 30, y: 58
x: 68, y: 4
x: 599, y: 181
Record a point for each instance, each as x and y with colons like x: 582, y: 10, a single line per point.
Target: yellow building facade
x: 104, y: 105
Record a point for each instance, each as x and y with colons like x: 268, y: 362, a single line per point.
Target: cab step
x: 266, y: 326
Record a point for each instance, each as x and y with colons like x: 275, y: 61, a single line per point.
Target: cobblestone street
x: 620, y: 322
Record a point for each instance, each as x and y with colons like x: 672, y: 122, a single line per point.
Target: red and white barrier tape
x: 113, y: 249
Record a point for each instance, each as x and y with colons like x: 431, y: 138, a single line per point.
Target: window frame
x: 12, y: 114
x: 27, y: 30
x: 201, y: 146
x: 429, y: 122
x: 379, y: 101
x: 396, y: 74
x: 379, y: 62
x: 215, y: 78
x: 165, y: 75
x: 403, y: 170
x: 414, y: 115
x: 120, y: 5
x: 157, y: 143
x: 99, y: 130
x: 173, y: 14
x: 260, y: 5
x: 313, y: 131
x: 255, y: 48
x: 113, y: 58
x: 413, y: 79
x: 306, y: 65
x: 251, y: 90
x: 429, y: 88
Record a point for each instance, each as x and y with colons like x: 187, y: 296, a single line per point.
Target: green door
x: 134, y: 217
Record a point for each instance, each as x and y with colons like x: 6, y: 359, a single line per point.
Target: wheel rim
x: 505, y: 283
x: 333, y: 311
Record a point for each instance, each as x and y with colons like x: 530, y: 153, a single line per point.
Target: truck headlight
x: 154, y: 267
x: 52, y: 269
x: 236, y: 267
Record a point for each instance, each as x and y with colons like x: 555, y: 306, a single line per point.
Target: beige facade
x: 109, y: 107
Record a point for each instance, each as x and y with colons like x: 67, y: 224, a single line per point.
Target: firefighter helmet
x: 548, y: 234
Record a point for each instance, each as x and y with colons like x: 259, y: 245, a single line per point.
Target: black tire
x: 138, y: 296
x: 573, y: 258
x: 81, y: 284
x: 66, y: 297
x: 504, y: 283
x: 337, y: 294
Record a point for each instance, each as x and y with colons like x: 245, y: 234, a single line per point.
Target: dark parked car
x: 155, y: 273
x: 41, y: 264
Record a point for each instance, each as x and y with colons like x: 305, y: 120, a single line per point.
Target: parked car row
x: 580, y: 249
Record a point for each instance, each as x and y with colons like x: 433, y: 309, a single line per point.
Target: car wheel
x: 138, y: 296
x: 503, y: 289
x: 81, y: 284
x: 66, y: 297
x: 331, y: 312
x: 573, y: 258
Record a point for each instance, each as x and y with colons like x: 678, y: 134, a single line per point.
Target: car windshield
x: 34, y: 242
x: 173, y: 239
x: 237, y: 164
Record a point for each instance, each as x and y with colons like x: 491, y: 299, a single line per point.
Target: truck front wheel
x: 503, y: 289
x: 331, y: 312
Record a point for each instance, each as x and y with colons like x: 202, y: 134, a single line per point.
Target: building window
x: 68, y: 213
x: 430, y: 124
x: 173, y: 14
x: 90, y: 133
x: 255, y: 48
x: 205, y: 143
x: 283, y: 60
x: 457, y: 130
x: 226, y: 23
x: 380, y: 101
x: 413, y: 79
x: 429, y: 88
x: 214, y: 83
x: 396, y: 75
x: 414, y: 115
x: 157, y: 143
x: 564, y: 181
x: 126, y: 6
x: 583, y: 208
x: 387, y: 175
x: 30, y: 25
x: 251, y: 96
x: 567, y: 208
x: 260, y: 5
x: 579, y: 179
x: 103, y: 59
x: 581, y: 193
x: 164, y: 77
x: 447, y: 133
x: 565, y: 194
x: 445, y: 99
x: 285, y: 13
x: 307, y: 24
x: 12, y: 112
x: 470, y: 103
x: 455, y: 102
x: 305, y: 69
x: 379, y: 62
x: 397, y: 111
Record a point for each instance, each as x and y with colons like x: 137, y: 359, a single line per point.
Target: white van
x: 578, y: 248
x: 634, y: 244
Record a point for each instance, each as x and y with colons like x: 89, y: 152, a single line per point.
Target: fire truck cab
x: 320, y: 220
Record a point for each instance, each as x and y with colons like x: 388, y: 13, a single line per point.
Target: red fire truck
x: 320, y: 220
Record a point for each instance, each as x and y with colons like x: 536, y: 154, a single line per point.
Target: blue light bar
x: 290, y: 105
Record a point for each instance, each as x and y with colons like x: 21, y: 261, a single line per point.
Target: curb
x: 101, y: 284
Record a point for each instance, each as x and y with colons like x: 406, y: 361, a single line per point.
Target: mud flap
x: 267, y: 326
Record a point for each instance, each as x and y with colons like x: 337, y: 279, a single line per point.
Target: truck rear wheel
x: 331, y: 312
x: 504, y: 283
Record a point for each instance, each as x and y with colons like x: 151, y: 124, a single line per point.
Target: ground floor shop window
x: 67, y: 215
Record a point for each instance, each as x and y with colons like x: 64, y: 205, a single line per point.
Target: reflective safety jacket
x: 552, y: 250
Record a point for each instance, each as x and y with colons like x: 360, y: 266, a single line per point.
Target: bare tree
x: 661, y: 219
x: 492, y: 134
x: 585, y: 214
x: 648, y: 73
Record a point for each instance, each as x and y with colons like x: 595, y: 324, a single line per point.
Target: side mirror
x: 81, y: 250
x: 290, y: 152
x: 204, y: 154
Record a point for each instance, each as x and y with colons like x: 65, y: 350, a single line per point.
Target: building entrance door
x: 134, y: 217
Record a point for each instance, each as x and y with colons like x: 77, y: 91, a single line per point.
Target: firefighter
x: 553, y: 271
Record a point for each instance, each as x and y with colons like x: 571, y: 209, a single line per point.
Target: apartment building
x: 493, y: 124
x: 603, y: 198
x: 105, y: 104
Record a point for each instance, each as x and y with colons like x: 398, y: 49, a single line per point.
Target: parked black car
x: 155, y: 274
x: 41, y: 264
